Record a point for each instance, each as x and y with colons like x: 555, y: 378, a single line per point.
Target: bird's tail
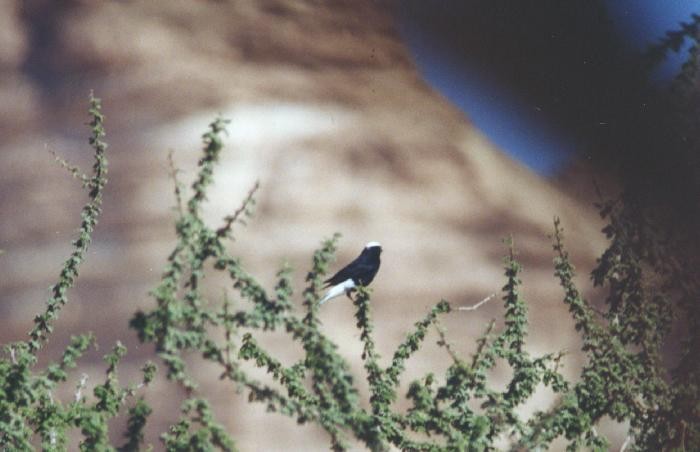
x: 337, y: 290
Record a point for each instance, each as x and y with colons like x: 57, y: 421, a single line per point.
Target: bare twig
x: 74, y: 170
x: 481, y: 343
x: 224, y: 230
x: 557, y: 359
x: 627, y: 442
x: 80, y: 387
x: 477, y: 305
x: 174, y: 171
x: 227, y: 356
x: 444, y: 343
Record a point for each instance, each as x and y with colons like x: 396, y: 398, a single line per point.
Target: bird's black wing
x: 343, y: 274
x: 360, y: 272
x: 366, y: 273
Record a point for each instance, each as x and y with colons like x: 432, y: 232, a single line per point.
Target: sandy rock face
x: 328, y: 113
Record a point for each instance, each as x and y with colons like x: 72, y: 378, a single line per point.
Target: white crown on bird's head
x: 373, y: 244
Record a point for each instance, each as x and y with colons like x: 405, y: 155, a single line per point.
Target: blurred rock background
x: 330, y: 114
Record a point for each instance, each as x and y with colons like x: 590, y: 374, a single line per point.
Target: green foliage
x: 91, y: 211
x: 198, y: 430
x: 31, y: 413
x: 623, y: 377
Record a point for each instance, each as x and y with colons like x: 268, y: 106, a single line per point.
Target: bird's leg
x: 349, y: 294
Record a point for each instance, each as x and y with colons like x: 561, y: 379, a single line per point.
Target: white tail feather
x: 337, y: 290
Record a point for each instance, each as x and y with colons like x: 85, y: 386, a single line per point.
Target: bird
x: 359, y: 272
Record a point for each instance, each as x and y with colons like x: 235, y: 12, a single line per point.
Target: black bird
x: 359, y: 272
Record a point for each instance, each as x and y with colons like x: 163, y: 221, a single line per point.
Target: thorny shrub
x: 623, y: 377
